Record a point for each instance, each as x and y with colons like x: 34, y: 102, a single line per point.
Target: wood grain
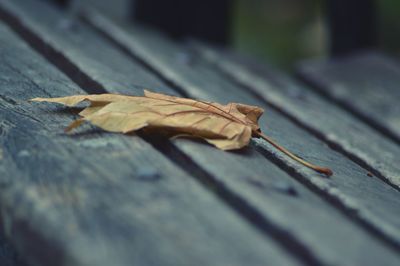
x: 322, y: 117
x: 365, y: 84
x: 268, y: 189
x: 372, y: 202
x: 102, y: 199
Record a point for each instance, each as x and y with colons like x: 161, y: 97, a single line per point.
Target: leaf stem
x: 319, y: 169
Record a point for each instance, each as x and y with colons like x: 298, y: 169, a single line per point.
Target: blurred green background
x: 286, y: 31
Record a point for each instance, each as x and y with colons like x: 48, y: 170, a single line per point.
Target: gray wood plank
x: 102, y: 199
x: 119, y: 71
x: 369, y: 201
x: 323, y: 117
x: 366, y: 84
x: 268, y: 189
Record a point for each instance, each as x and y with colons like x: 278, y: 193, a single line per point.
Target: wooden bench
x: 95, y: 198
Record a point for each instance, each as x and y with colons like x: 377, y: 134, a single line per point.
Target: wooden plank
x: 270, y: 191
x: 369, y: 201
x: 323, y: 117
x: 123, y: 73
x: 365, y: 84
x: 102, y: 199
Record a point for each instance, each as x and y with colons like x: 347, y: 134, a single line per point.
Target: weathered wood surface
x: 269, y: 192
x: 280, y: 205
x: 123, y: 73
x: 319, y: 115
x: 369, y: 200
x: 366, y: 84
x: 102, y: 199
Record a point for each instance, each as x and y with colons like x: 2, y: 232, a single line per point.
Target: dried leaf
x: 227, y: 127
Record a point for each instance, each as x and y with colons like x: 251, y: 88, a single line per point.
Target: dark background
x: 281, y: 32
x: 296, y: 29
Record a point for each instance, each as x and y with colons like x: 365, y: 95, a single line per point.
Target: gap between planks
x: 234, y: 201
x: 350, y: 213
x: 333, y: 145
x: 372, y: 123
x: 52, y: 55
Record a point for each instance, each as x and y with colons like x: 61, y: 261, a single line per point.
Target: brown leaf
x: 227, y: 127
